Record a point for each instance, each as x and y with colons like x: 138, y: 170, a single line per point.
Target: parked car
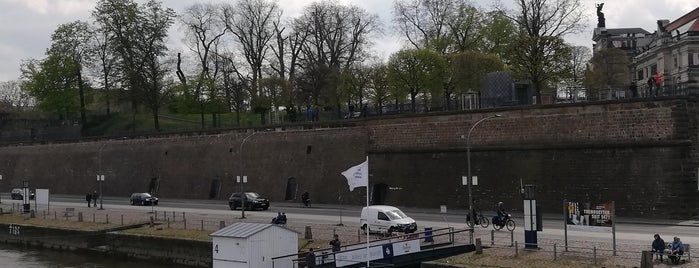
x: 18, y: 194
x: 385, y: 220
x: 143, y: 199
x: 252, y: 201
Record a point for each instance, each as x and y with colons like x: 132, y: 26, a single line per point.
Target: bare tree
x: 252, y: 23
x: 540, y: 55
x: 445, y: 26
x: 287, y: 49
x: 580, y: 56
x: 12, y: 95
x: 338, y: 36
x: 205, y: 29
x: 107, y: 62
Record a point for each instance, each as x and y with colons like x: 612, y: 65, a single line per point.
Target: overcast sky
x: 26, y: 25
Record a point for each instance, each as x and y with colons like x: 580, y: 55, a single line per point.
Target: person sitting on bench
x: 280, y: 219
x: 676, y: 250
x: 658, y: 246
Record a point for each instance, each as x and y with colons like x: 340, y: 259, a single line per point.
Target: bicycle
x: 479, y: 219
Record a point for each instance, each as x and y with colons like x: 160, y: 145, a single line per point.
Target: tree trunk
x: 81, y: 92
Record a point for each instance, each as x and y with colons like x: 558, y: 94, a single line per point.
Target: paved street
x: 632, y: 234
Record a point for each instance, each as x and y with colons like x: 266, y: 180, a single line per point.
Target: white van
x: 386, y: 220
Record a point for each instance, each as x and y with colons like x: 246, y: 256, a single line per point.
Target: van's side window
x: 382, y: 216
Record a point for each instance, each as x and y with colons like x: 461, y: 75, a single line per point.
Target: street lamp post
x: 26, y: 206
x: 244, y: 178
x: 469, y: 180
x: 100, y: 179
x: 243, y: 196
x: 0, y: 191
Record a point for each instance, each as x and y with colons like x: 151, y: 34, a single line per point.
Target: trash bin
x: 428, y: 234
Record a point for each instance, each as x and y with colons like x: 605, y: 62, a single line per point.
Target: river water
x: 28, y: 257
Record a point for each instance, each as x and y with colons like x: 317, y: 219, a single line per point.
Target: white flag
x: 358, y: 176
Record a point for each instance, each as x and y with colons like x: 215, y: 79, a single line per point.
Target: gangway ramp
x: 404, y: 250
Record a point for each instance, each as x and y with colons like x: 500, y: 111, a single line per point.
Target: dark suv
x: 18, y: 194
x: 143, y: 199
x: 252, y: 201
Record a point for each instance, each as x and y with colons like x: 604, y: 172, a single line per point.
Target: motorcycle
x: 306, y: 199
x: 506, y: 222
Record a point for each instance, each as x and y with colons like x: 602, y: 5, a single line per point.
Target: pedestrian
x: 650, y: 83
x: 634, y: 89
x: 657, y: 78
x: 310, y: 258
x: 94, y: 198
x: 315, y: 113
x: 88, y: 198
x: 309, y: 113
x: 658, y: 246
x: 335, y: 243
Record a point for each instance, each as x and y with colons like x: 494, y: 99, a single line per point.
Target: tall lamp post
x: 244, y: 178
x: 469, y: 180
x: 100, y: 179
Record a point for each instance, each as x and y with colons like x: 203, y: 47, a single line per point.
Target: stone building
x: 672, y: 53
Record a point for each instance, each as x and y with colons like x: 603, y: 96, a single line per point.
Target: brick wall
x: 642, y: 155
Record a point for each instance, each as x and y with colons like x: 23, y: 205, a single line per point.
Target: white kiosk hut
x: 254, y: 245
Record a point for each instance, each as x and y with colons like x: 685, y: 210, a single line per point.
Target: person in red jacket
x: 657, y: 78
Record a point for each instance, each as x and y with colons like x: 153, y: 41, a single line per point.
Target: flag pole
x: 367, y: 222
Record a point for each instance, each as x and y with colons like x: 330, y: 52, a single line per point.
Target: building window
x: 639, y: 75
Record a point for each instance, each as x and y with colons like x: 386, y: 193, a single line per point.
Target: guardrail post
x: 122, y: 219
x: 107, y: 217
x: 185, y: 223
x: 516, y: 250
x: 479, y: 249
x: 93, y: 217
x: 554, y: 251
x: 512, y: 238
x: 594, y: 254
x: 492, y: 237
x: 308, y: 234
x: 202, y: 224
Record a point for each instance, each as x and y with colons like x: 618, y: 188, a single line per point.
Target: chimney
x: 662, y: 24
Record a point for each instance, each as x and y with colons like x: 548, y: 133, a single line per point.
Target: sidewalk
x: 462, y: 213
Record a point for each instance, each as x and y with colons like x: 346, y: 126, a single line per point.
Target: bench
x: 684, y: 258
x: 69, y: 212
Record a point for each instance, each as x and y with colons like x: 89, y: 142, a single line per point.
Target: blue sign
x: 387, y: 250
